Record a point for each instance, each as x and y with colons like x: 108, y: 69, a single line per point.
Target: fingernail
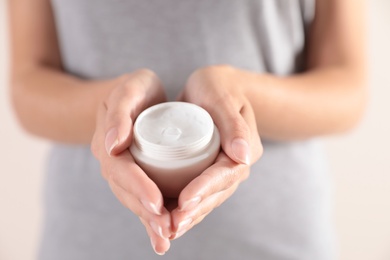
x: 183, y: 225
x: 151, y: 207
x: 240, y: 149
x: 157, y: 228
x: 181, y: 230
x: 180, y: 234
x: 190, y: 204
x: 111, y: 140
x: 154, y: 247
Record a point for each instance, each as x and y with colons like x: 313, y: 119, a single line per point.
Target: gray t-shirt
x: 281, y: 212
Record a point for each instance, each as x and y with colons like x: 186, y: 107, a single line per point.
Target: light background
x: 360, y: 164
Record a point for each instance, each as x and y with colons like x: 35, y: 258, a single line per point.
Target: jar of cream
x: 174, y: 142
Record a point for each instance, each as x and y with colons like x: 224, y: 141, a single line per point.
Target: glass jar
x: 174, y: 142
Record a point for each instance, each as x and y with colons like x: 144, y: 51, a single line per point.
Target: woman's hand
x: 134, y: 93
x: 222, y: 92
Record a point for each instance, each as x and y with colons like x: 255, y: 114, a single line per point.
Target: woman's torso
x: 280, y: 212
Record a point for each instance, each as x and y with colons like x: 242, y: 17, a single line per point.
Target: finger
x: 182, y: 221
x: 160, y: 245
x: 182, y: 232
x: 234, y: 130
x: 129, y: 176
x: 123, y: 169
x: 160, y: 224
x: 190, y: 226
x: 139, y: 90
x: 218, y: 177
x: 255, y: 143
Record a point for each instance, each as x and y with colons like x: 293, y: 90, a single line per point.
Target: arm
x: 55, y: 105
x: 328, y: 98
x: 48, y: 102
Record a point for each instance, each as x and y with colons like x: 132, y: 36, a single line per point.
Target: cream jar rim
x: 176, y: 151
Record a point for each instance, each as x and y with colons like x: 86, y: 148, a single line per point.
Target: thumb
x: 234, y: 131
x: 141, y: 90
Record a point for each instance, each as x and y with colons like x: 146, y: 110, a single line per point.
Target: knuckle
x: 147, y: 77
x: 229, y: 181
x: 215, y: 100
x: 138, y: 83
x: 223, y: 99
x: 146, y: 72
x: 203, y: 186
x: 114, y: 118
x: 125, y: 90
x: 231, y: 177
x: 240, y: 127
x: 112, y: 100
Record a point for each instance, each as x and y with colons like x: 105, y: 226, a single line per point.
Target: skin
x: 328, y: 98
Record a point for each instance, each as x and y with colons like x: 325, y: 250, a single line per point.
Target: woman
x: 291, y: 71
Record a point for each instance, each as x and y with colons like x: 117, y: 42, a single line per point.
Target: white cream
x: 173, y: 143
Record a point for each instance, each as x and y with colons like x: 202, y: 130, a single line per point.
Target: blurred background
x: 360, y: 163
